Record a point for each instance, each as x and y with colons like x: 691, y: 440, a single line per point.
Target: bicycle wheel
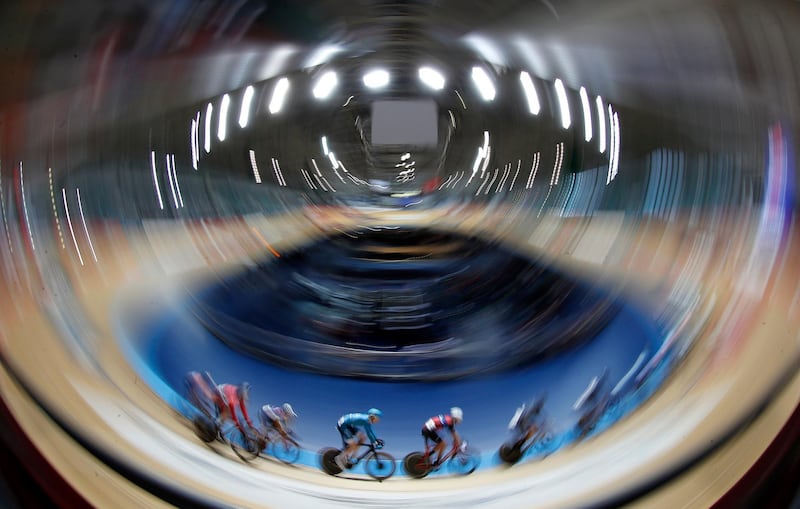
x: 204, y: 428
x: 246, y: 446
x: 380, y: 465
x: 416, y: 465
x: 285, y: 451
x: 510, y: 453
x: 464, y: 463
x: 327, y: 460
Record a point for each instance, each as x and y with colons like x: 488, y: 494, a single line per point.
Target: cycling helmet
x: 456, y: 413
x: 289, y: 411
x: 375, y: 412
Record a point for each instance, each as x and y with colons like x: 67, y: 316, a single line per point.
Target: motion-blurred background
x: 409, y: 205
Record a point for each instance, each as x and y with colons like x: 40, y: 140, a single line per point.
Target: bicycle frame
x: 452, y: 453
x: 369, y: 449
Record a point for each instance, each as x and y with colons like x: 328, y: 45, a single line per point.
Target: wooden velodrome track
x: 747, y: 349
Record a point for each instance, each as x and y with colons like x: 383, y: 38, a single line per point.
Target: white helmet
x: 456, y: 413
x: 289, y: 411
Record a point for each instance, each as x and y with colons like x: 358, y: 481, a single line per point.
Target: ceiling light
x: 484, y: 84
x: 431, y: 77
x: 325, y: 85
x: 376, y: 78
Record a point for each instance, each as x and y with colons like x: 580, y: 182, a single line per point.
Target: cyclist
x: 352, y: 428
x: 201, y: 385
x: 278, y: 418
x: 437, y: 423
x: 236, y: 397
x: 527, y: 420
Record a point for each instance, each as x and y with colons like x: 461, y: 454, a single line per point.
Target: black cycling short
x: 431, y: 435
x: 348, y: 431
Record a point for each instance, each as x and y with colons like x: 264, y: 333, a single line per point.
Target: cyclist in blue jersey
x: 356, y: 428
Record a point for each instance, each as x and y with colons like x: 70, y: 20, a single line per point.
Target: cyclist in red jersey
x: 437, y: 423
x: 236, y: 398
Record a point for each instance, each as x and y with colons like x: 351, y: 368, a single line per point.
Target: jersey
x: 439, y: 422
x: 231, y: 394
x: 358, y: 421
x: 272, y: 414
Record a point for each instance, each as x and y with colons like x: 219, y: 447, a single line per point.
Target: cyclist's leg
x: 355, y: 442
x: 347, y: 433
x: 438, y: 448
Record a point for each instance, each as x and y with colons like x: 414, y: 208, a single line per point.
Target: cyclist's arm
x: 233, y: 416
x: 456, y: 437
x: 244, y: 413
x: 370, y: 433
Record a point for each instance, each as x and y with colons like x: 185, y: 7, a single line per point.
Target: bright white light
x: 172, y: 183
x: 519, y: 164
x: 256, y: 173
x: 334, y: 161
x: 614, y: 156
x: 325, y: 145
x: 244, y: 113
x: 376, y: 78
x: 431, y: 77
x: 601, y: 120
x: 485, y: 141
x: 278, y: 173
x: 325, y: 85
x: 534, y: 169
x: 530, y: 93
x: 155, y: 179
x: 207, y: 143
x: 222, y: 126
x: 611, y: 141
x: 486, y: 156
x: 478, y: 160
x: 308, y: 179
x: 69, y: 224
x: 557, y: 166
x: 55, y: 210
x: 196, y: 141
x: 193, y: 140
x: 616, y: 142
x: 484, y: 84
x: 25, y: 206
x: 85, y: 228
x: 405, y: 156
x: 175, y: 176
x: 566, y: 119
x: 587, y: 115
x: 279, y: 95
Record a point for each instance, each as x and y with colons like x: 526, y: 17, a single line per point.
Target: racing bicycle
x: 246, y: 443
x: 460, y: 459
x: 285, y: 448
x: 514, y: 449
x: 377, y: 464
